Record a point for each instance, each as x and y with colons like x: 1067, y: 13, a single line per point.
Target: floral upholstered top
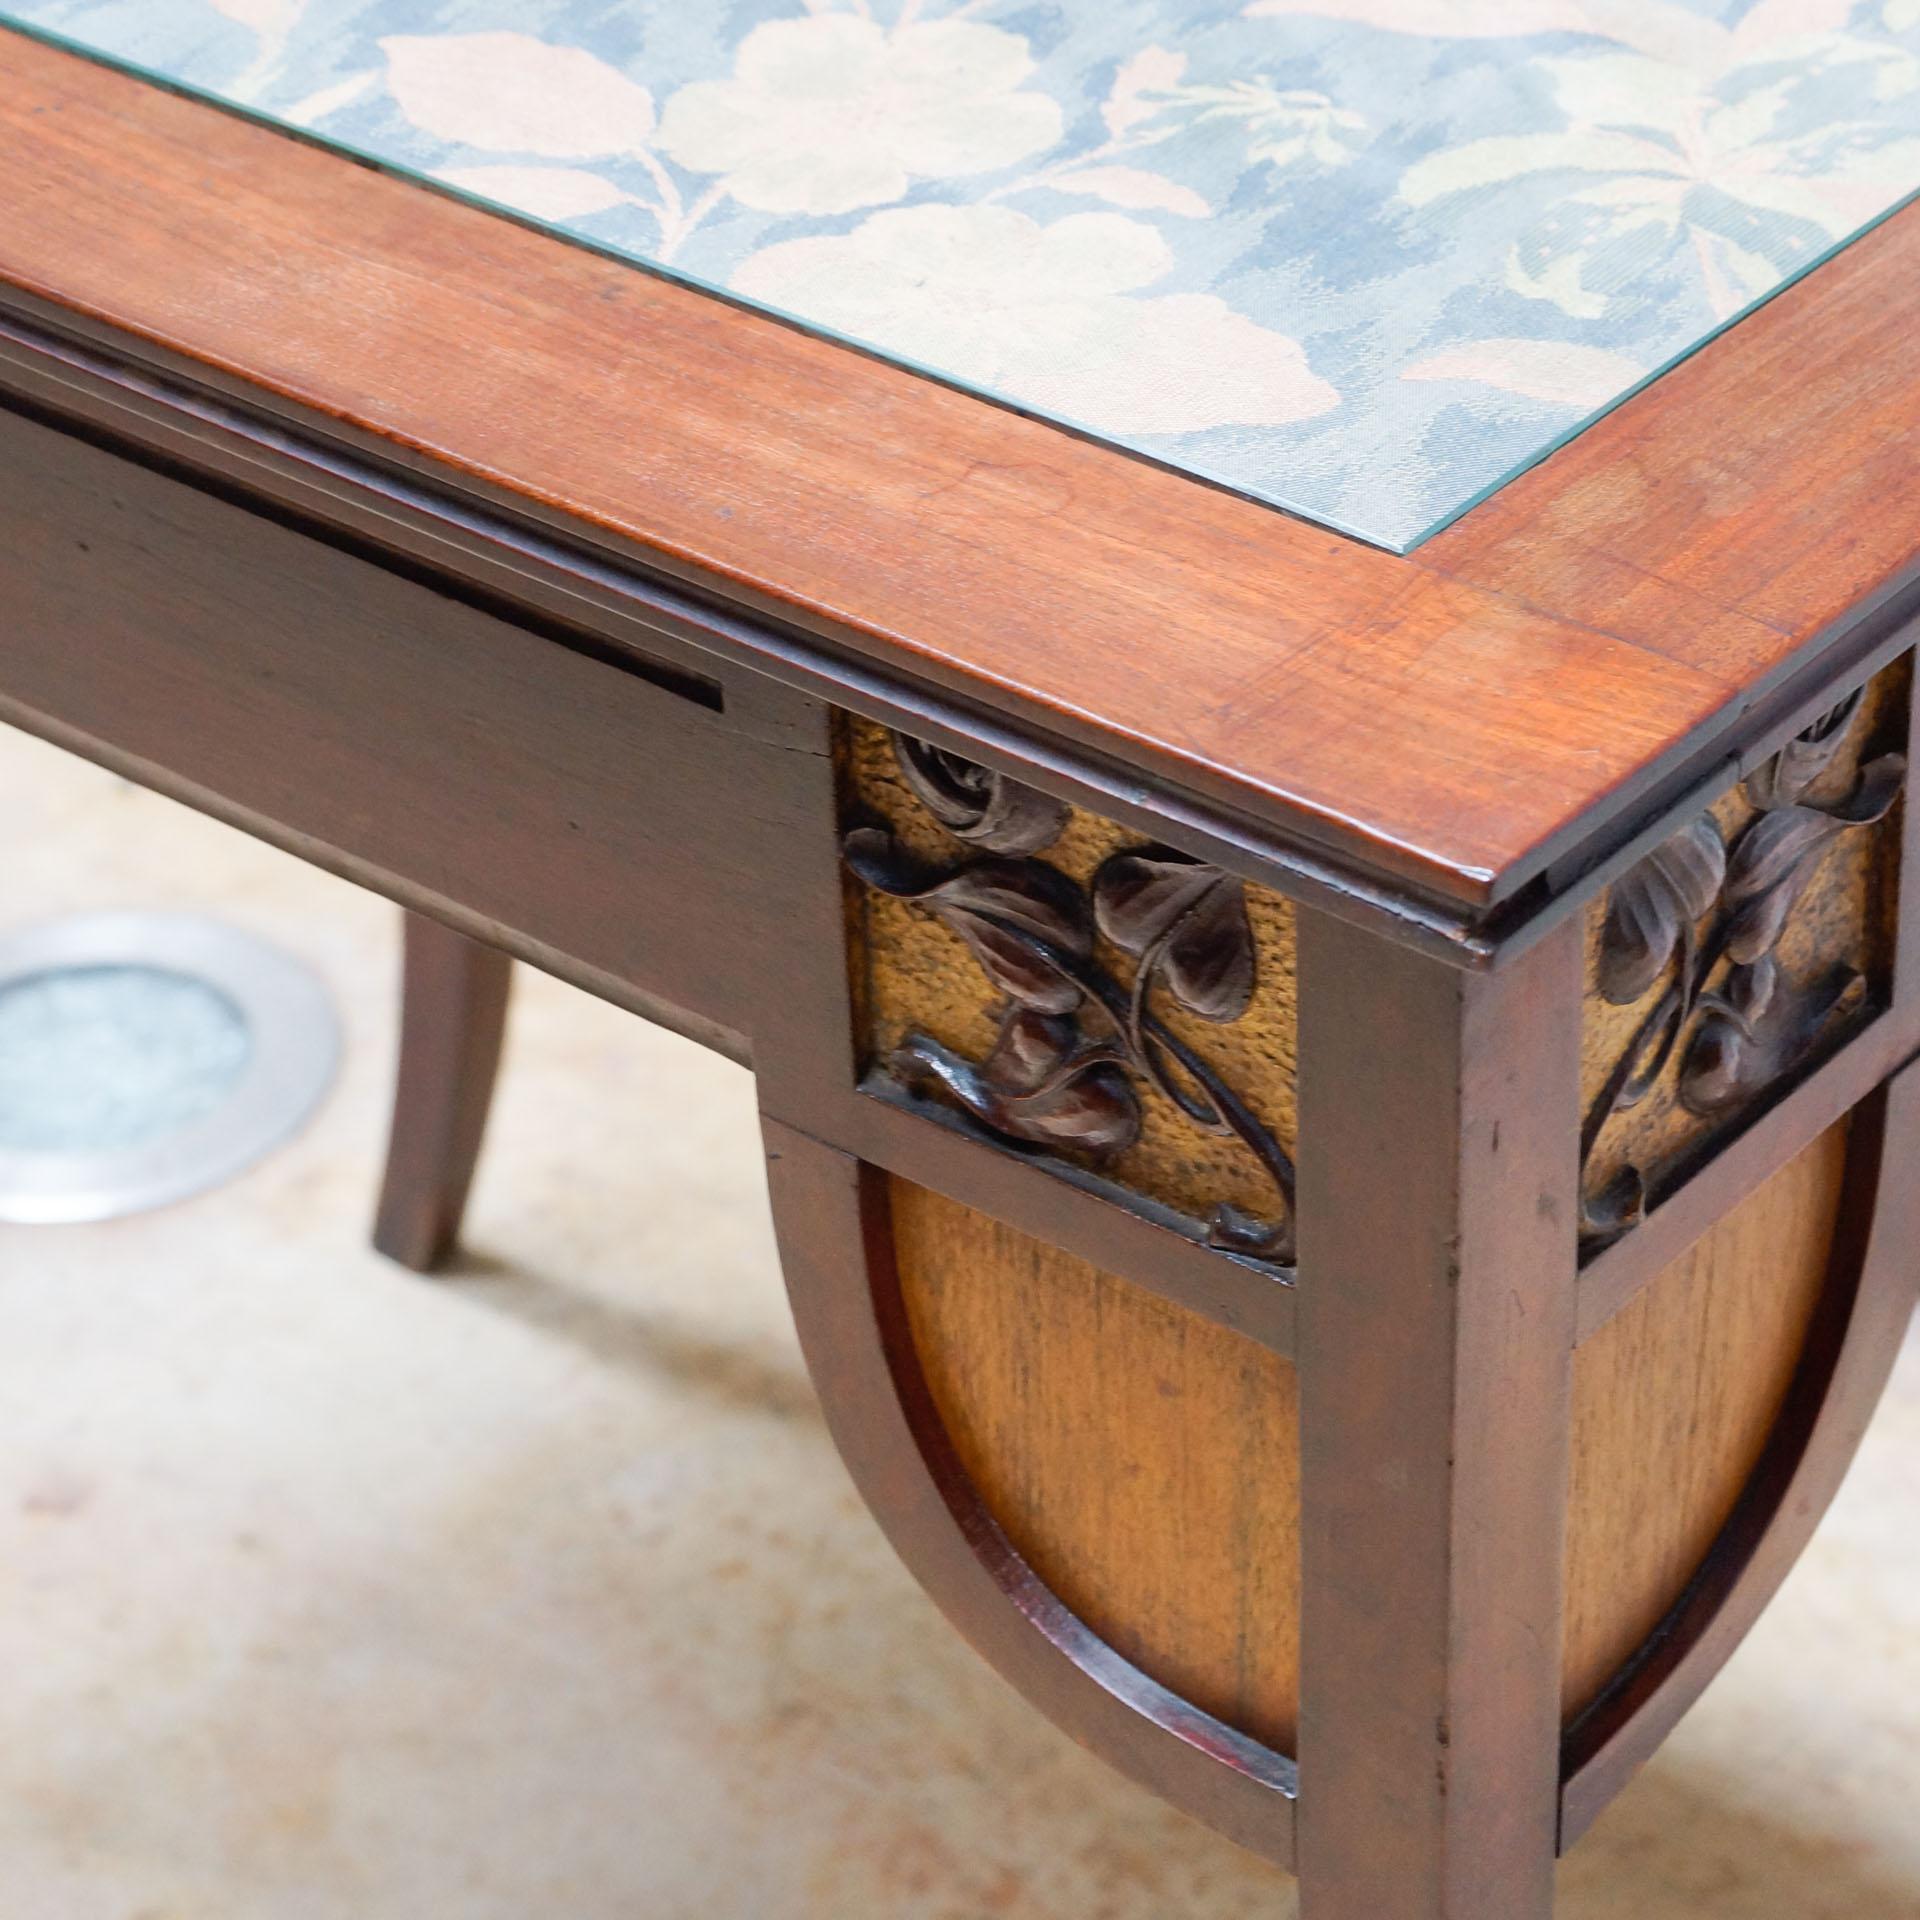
x: 1362, y: 259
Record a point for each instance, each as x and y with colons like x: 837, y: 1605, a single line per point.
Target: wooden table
x: 1339, y: 1121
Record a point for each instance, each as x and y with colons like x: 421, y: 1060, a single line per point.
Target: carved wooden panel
x: 1739, y: 952
x: 1073, y: 988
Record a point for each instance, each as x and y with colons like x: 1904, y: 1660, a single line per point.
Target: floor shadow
x: 1684, y: 1842
x: 737, y: 1373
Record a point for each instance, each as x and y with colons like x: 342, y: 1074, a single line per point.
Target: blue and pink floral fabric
x: 1362, y: 259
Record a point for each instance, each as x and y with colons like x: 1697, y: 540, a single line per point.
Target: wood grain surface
x: 522, y: 785
x: 1453, y: 720
x: 1144, y: 1461
x: 453, y: 1023
x: 1147, y: 1463
x: 1673, y: 1403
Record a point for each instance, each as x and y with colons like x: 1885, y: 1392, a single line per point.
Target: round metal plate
x: 292, y: 1047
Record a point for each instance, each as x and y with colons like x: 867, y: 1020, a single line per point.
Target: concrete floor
x: 328, y: 1593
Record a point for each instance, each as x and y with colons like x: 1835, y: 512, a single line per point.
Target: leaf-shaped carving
x: 1084, y: 1102
x: 1780, y: 852
x: 1751, y: 988
x: 1715, y: 1072
x: 1734, y: 1040
x: 1784, y: 779
x: 1031, y: 1047
x: 1747, y: 1039
x: 1186, y: 921
x: 1021, y: 918
x: 1654, y: 905
x: 1032, y: 930
x: 975, y: 803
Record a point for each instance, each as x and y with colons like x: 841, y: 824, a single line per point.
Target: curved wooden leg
x: 453, y: 1018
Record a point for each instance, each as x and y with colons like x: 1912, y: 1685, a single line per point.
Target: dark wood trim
x: 296, y: 468
x: 836, y: 1244
x: 523, y: 786
x: 453, y: 1019
x: 1906, y: 904
x: 1455, y: 722
x: 1438, y: 1210
x: 1870, y: 1298
x: 1124, y: 1234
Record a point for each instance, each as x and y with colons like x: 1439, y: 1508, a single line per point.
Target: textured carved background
x: 1844, y: 916
x: 910, y: 972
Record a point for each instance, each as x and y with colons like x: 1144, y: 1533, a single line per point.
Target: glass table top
x: 1363, y: 260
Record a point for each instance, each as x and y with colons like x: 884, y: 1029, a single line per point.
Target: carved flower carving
x: 976, y: 804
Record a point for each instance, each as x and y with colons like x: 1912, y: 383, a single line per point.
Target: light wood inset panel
x: 1144, y: 1461
x: 1147, y: 1463
x: 1673, y: 1402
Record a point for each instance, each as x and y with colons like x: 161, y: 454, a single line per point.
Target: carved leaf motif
x: 1086, y: 1103
x: 1030, y: 1048
x: 1019, y: 917
x: 1786, y: 777
x: 1751, y: 987
x: 975, y: 803
x: 1032, y: 930
x: 1780, y: 852
x: 1190, y: 918
x: 1734, y: 1041
x: 1654, y: 904
x: 1746, y: 1040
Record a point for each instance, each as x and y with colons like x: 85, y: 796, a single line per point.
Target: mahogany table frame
x: 543, y: 634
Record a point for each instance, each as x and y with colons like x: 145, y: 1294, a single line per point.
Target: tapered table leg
x: 453, y: 1018
x: 1438, y: 1120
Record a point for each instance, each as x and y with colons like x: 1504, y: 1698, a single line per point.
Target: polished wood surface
x: 1147, y: 1464
x: 834, y: 1218
x: 1144, y: 1461
x: 492, y: 774
x: 1863, y: 1315
x: 1674, y: 1401
x: 453, y: 1018
x: 1438, y: 1199
x: 274, y: 546
x: 1560, y: 659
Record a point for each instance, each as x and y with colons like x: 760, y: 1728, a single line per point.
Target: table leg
x: 1438, y: 1247
x: 1394, y: 1565
x: 453, y: 1019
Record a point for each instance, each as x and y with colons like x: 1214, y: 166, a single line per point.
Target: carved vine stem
x: 1694, y: 903
x: 1073, y: 1040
